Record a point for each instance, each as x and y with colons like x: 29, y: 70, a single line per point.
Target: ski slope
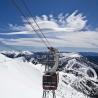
x: 24, y: 80
x: 19, y: 80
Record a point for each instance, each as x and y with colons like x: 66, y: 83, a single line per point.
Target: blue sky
x: 39, y: 7
x: 84, y: 11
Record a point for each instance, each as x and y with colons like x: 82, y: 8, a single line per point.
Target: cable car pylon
x: 51, y: 76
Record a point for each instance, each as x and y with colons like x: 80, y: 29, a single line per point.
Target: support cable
x: 19, y: 9
x: 27, y: 8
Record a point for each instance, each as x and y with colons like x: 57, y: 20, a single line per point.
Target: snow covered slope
x: 19, y: 80
x: 24, y: 80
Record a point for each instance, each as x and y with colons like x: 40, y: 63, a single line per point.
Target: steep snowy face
x: 82, y: 76
x: 77, y: 74
x: 19, y: 79
x: 65, y: 57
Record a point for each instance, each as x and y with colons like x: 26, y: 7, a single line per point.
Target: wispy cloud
x: 62, y: 31
x: 73, y: 22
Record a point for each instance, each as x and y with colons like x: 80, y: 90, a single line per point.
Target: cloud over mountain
x: 62, y: 31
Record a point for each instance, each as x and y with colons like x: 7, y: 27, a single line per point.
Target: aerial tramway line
x: 50, y: 78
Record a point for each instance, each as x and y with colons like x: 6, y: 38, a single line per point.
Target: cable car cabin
x: 50, y: 81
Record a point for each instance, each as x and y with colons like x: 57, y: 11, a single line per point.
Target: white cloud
x: 14, y: 33
x: 73, y: 22
x: 81, y: 39
x: 16, y: 27
x: 63, y: 30
x: 76, y: 21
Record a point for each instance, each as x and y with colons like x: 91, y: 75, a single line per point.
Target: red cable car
x: 50, y: 81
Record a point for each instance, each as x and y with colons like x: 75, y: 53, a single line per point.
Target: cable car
x: 50, y: 81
